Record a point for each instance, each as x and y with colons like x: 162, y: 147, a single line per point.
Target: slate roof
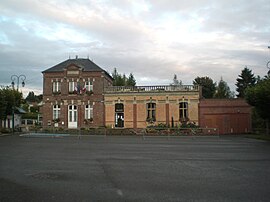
x: 85, y: 64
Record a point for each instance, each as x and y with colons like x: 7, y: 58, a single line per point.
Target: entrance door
x: 119, y: 115
x: 119, y: 120
x: 72, y: 116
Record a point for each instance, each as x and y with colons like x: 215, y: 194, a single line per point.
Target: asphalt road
x: 133, y: 169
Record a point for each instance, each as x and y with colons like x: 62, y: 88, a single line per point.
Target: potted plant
x: 87, y: 121
x: 151, y: 119
x: 89, y: 92
x: 57, y: 120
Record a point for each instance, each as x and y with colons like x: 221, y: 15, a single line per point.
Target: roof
x: 19, y: 110
x: 85, y: 64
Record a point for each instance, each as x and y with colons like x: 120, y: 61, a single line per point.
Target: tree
x: 208, y: 86
x: 245, y: 79
x: 9, y: 98
x: 176, y: 82
x: 30, y: 97
x: 223, y: 90
x: 131, y: 80
x: 259, y: 97
x: 122, y: 80
x: 3, y: 105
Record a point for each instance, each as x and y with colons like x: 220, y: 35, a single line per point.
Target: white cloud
x: 154, y: 39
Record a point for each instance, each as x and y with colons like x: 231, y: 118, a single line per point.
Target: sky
x: 152, y: 39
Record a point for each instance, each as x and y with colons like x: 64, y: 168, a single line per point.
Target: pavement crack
x: 109, y: 176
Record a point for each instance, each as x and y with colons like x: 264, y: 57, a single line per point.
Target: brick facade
x: 131, y: 107
x: 74, y: 72
x: 135, y: 106
x: 230, y: 116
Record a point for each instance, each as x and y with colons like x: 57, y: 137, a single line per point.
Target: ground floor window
x: 56, y: 112
x: 183, y: 111
x: 151, y: 112
x: 88, y: 112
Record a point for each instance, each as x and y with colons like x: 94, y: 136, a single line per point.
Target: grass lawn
x: 259, y: 136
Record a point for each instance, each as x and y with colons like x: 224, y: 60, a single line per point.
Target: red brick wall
x: 230, y: 116
x: 65, y: 99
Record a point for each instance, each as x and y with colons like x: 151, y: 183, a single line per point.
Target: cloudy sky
x: 153, y: 39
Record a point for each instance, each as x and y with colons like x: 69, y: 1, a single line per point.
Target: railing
x: 141, y: 89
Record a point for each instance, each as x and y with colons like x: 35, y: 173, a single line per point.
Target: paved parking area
x: 133, y: 169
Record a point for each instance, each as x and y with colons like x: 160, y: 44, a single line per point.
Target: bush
x: 189, y: 125
x: 5, y: 130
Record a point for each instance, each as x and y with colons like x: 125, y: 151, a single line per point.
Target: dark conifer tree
x: 245, y: 79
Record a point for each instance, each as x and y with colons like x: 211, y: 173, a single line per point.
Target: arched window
x: 183, y: 110
x: 151, y: 111
x: 56, y: 112
x: 88, y: 112
x: 119, y: 107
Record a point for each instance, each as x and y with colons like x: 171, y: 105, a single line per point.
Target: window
x: 119, y: 107
x: 56, y: 112
x: 72, y: 110
x: 56, y: 86
x: 183, y: 110
x: 89, y: 86
x: 71, y: 86
x: 88, y: 112
x: 151, y: 111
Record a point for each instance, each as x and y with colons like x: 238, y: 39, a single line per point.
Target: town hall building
x: 77, y: 93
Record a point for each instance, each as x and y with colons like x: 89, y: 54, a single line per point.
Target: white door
x: 72, y: 116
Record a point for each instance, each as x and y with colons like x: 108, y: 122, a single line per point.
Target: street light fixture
x: 13, y: 79
x: 268, y: 66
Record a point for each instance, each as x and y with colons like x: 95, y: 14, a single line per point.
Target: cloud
x: 151, y: 39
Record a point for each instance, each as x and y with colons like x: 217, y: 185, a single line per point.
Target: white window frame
x: 89, y: 85
x: 56, y: 112
x: 88, y: 111
x: 71, y: 86
x: 56, y: 86
x: 183, y: 110
x: 151, y: 108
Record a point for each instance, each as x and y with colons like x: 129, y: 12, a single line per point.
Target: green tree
x: 9, y: 98
x: 3, y: 105
x: 207, y: 84
x: 223, y: 90
x: 259, y: 97
x: 131, y: 80
x: 122, y: 80
x: 30, y: 97
x: 245, y: 79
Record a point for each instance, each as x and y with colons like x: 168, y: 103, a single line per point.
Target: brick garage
x: 230, y: 116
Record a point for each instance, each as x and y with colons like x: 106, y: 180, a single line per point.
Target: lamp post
x: 15, y: 78
x: 268, y: 65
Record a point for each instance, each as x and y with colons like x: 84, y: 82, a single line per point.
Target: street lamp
x: 13, y: 79
x: 268, y: 65
x: 17, y: 79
